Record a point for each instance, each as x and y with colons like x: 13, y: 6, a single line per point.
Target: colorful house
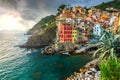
x: 97, y: 29
x: 116, y: 26
x: 112, y: 20
x: 74, y: 35
x: 105, y: 16
x: 86, y: 32
x: 65, y: 33
x: 119, y: 22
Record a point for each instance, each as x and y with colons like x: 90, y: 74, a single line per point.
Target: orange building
x: 65, y: 33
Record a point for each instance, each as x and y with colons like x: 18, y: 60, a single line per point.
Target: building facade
x: 74, y: 35
x: 65, y: 33
x: 97, y: 29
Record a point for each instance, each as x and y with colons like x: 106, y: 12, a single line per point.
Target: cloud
x: 13, y: 20
x: 9, y: 3
x: 11, y: 15
x: 29, y: 12
x: 31, y: 9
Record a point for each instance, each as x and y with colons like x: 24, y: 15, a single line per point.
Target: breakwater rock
x: 90, y: 71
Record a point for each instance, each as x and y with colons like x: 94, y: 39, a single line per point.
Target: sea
x: 26, y: 64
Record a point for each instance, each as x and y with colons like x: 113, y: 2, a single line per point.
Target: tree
x: 116, y: 0
x: 60, y: 8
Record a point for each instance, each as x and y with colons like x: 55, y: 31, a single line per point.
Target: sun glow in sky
x: 10, y: 22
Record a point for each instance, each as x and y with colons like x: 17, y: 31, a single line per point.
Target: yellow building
x: 90, y: 13
x: 105, y: 16
x: 74, y: 35
x: 119, y: 23
x: 116, y: 26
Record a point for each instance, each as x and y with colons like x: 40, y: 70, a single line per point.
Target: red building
x: 86, y: 32
x: 65, y: 33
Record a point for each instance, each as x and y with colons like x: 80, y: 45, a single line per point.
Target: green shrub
x: 110, y: 70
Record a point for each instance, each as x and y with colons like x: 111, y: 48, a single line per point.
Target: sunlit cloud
x: 24, y: 14
x: 12, y: 20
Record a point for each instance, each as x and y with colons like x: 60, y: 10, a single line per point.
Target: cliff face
x: 43, y: 33
x: 42, y: 24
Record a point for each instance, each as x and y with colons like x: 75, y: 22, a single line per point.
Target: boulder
x: 89, y: 72
x: 49, y: 50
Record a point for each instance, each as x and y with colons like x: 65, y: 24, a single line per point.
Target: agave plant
x: 109, y: 43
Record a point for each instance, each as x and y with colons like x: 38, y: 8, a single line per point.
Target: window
x: 66, y: 27
x: 68, y: 40
x: 64, y: 39
x: 69, y: 35
x: 95, y: 27
x: 62, y: 36
x: 65, y: 32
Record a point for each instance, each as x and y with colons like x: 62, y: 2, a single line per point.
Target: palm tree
x: 109, y: 44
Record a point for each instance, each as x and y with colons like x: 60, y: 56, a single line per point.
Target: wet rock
x: 49, y: 50
x: 97, y: 74
x: 83, y: 69
x: 68, y: 78
x: 75, y: 73
x: 89, y: 72
x: 41, y: 39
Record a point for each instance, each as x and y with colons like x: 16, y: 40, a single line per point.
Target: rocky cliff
x: 42, y: 24
x: 43, y: 33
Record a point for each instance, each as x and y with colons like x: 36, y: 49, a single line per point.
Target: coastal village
x: 73, y: 20
x: 80, y: 41
x: 77, y: 31
x: 78, y: 25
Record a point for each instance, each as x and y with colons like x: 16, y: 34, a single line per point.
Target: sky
x: 24, y: 14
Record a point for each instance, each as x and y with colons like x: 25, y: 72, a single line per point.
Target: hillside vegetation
x: 114, y: 4
x: 43, y: 33
x: 42, y: 24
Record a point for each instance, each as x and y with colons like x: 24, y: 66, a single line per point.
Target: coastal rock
x: 68, y: 79
x: 41, y: 39
x: 49, y: 50
x: 42, y: 34
x: 83, y: 69
x: 89, y: 72
x: 39, y: 27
